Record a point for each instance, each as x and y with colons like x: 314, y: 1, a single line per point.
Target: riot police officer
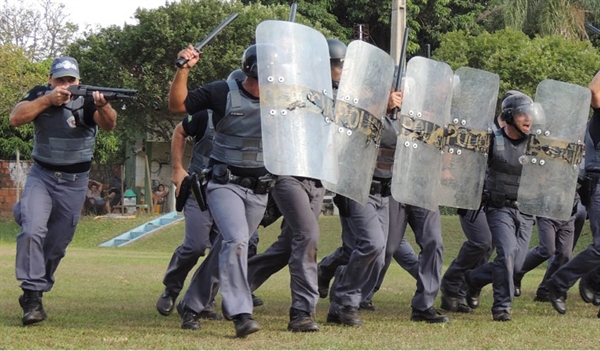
x: 475, y: 252
x: 511, y: 229
x: 405, y: 255
x: 237, y: 191
x: 200, y: 230
x: 369, y: 224
x: 56, y: 186
x: 587, y: 263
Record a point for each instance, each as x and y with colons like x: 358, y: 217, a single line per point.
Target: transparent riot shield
x: 468, y: 137
x: 360, y: 104
x: 425, y: 110
x: 296, y: 99
x: 554, y: 151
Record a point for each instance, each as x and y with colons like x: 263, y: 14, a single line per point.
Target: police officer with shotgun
x: 65, y: 133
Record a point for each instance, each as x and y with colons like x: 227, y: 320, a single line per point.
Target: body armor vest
x: 59, y: 141
x: 238, y: 135
x: 203, y: 148
x: 504, y: 171
x: 387, y: 149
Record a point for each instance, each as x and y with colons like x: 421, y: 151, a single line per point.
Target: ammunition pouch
x: 587, y: 188
x: 343, y: 205
x: 383, y: 188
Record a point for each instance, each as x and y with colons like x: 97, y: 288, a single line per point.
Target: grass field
x: 105, y: 298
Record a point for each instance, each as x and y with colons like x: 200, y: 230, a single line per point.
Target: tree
x: 427, y: 19
x: 142, y: 57
x: 43, y: 33
x: 521, y: 62
x: 547, y: 17
x: 17, y: 75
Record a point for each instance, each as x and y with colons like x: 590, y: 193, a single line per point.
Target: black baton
x: 181, y: 61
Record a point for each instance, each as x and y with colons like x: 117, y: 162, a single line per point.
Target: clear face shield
x: 530, y: 118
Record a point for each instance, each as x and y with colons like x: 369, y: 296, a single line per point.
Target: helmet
x: 514, y: 103
x: 249, y: 62
x: 337, y: 49
x: 510, y: 93
x: 236, y: 75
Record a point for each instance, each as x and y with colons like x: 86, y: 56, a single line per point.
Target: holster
x: 272, y: 212
x: 343, y: 205
x: 587, y: 188
x: 198, y: 186
x: 184, y: 192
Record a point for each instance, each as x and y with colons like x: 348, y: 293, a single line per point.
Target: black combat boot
x: 31, y: 303
x: 245, y: 325
x: 190, y: 320
x: 585, y: 289
x: 166, y: 302
x: 257, y: 301
x: 472, y: 292
x: 346, y: 315
x: 367, y: 306
x: 301, y: 321
x: 557, y: 299
x: 430, y: 315
x: 502, y: 316
x: 454, y: 304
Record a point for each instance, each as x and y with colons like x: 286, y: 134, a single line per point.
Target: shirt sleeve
x: 594, y: 127
x: 212, y: 96
x: 195, y: 125
x: 36, y: 92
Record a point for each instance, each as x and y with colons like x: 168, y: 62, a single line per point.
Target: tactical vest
x: 202, y: 148
x: 58, y: 141
x: 387, y: 149
x: 504, y: 171
x: 592, y: 153
x: 238, y: 135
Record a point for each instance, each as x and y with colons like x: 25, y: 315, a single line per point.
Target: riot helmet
x: 518, y: 105
x: 249, y: 60
x: 237, y: 75
x: 337, y: 51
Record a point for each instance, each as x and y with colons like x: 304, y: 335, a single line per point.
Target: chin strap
x: 517, y: 128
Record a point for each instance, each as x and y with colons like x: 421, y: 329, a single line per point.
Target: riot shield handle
x: 400, y: 68
x: 181, y: 61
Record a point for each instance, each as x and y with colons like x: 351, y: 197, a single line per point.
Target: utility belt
x: 498, y: 199
x: 383, y: 188
x: 221, y: 174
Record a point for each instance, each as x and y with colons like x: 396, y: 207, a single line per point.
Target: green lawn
x: 105, y: 299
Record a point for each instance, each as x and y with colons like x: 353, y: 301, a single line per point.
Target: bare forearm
x: 179, y: 91
x: 27, y: 111
x: 106, y: 117
x: 178, y: 147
